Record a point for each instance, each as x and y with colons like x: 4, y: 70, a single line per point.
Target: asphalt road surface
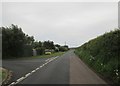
x: 65, y: 69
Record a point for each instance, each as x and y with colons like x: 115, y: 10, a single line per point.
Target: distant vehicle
x: 48, y: 53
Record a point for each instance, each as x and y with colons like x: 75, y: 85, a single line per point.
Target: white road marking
x: 43, y: 65
x: 33, y: 71
x: 51, y: 58
x: 13, y: 83
x: 46, y: 63
x: 40, y: 66
x: 56, y: 57
x: 20, y: 79
x: 37, y: 69
x: 28, y: 74
x: 46, y: 60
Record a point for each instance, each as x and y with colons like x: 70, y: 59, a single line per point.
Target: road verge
x: 6, y: 75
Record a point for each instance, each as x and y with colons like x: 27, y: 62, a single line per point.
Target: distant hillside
x: 103, y: 54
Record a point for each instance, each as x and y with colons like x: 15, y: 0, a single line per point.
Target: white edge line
x: 33, y: 71
x: 27, y: 75
x: 46, y: 60
x: 43, y: 65
x: 51, y: 58
x: 40, y: 66
x: 37, y: 69
x: 18, y: 80
x: 46, y: 63
x: 13, y: 83
x: 49, y: 61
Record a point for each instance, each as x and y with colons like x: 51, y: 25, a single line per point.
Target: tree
x: 37, y: 44
x: 57, y: 45
x: 14, y: 40
x: 29, y: 40
x: 48, y: 45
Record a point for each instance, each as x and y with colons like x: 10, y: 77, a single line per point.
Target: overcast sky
x: 72, y: 22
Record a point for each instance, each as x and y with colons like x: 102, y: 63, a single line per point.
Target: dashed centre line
x: 30, y: 73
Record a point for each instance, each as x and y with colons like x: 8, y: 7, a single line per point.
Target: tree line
x: 15, y: 43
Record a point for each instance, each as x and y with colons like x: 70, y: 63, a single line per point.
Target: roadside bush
x: 14, y: 42
x: 62, y: 48
x: 103, y: 54
x: 27, y: 51
x: 40, y: 51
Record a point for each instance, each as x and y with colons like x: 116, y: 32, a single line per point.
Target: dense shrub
x: 27, y: 51
x: 40, y: 51
x: 14, y: 42
x: 103, y: 54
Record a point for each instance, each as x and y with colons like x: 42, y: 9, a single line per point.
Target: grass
x: 43, y: 56
x: 2, y: 75
x: 48, y: 56
x: 105, y: 70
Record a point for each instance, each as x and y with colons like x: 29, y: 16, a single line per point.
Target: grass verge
x: 3, y: 74
x: 105, y: 71
x: 48, y: 56
x: 42, y: 56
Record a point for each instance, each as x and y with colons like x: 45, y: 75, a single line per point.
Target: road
x: 65, y: 69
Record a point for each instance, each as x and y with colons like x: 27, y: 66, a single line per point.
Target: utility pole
x: 65, y: 43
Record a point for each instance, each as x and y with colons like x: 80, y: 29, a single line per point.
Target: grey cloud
x: 73, y: 22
